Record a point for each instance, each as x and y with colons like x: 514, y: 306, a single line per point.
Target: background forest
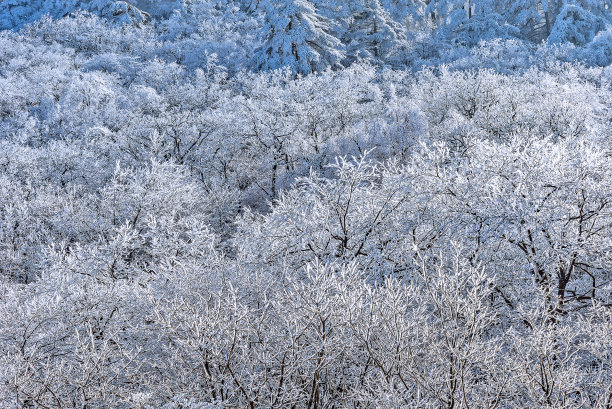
x: 306, y: 204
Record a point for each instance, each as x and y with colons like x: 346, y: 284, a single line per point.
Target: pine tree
x: 540, y: 19
x: 467, y: 22
x: 400, y: 10
x: 119, y: 11
x: 337, y: 13
x: 448, y: 12
x: 575, y: 24
x: 534, y: 18
x: 295, y: 36
x: 372, y: 34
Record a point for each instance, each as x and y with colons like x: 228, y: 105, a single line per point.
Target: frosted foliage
x: 265, y: 204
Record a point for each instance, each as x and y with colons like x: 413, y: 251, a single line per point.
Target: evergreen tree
x: 337, y: 13
x: 372, y: 34
x: 575, y: 24
x: 448, y: 12
x: 119, y: 11
x: 400, y: 10
x: 467, y: 22
x: 534, y: 18
x: 538, y: 20
x: 295, y: 36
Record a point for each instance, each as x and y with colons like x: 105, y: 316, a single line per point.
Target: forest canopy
x: 305, y: 204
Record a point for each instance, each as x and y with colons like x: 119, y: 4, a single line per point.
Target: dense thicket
x: 306, y: 204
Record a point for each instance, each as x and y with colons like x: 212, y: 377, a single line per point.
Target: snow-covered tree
x: 14, y: 14
x: 177, y: 232
x: 466, y: 23
x: 372, y: 34
x: 599, y: 51
x: 557, y: 19
x: 448, y: 12
x: 121, y: 11
x: 295, y: 36
x: 412, y: 11
x: 576, y: 25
